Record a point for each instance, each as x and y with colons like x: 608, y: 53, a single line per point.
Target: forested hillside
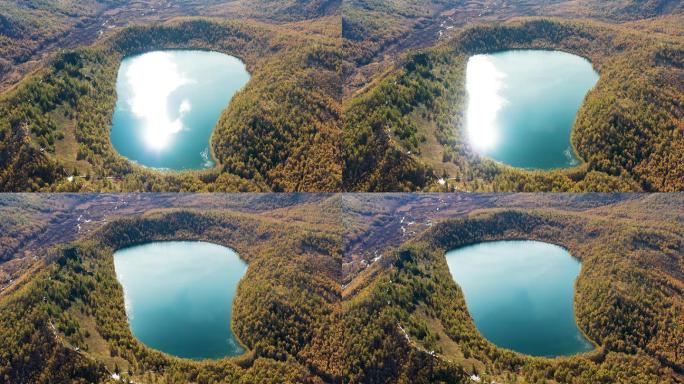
x: 404, y: 321
x: 373, y: 29
x: 28, y: 26
x: 31, y: 30
x: 628, y: 300
x: 72, y: 310
x: 399, y: 67
x: 280, y: 133
x: 407, y: 129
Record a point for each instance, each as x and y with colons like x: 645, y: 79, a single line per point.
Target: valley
x: 297, y: 151
x: 86, y: 332
x: 408, y: 131
x: 358, y: 96
x: 343, y: 192
x: 360, y: 283
x: 33, y: 35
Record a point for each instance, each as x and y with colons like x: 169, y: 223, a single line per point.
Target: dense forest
x: 72, y: 314
x: 628, y: 300
x: 401, y: 127
x: 407, y: 129
x: 405, y: 323
x: 280, y: 133
x: 376, y: 30
x: 31, y: 30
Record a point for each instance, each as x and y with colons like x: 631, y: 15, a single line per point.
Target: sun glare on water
x: 153, y: 78
x: 483, y: 83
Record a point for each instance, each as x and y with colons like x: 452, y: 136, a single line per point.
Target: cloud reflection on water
x: 483, y: 84
x: 152, y: 78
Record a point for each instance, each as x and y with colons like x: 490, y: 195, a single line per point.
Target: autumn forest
x: 341, y: 191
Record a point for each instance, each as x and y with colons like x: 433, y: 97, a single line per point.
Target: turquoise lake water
x: 179, y: 296
x: 522, y: 106
x: 168, y: 103
x: 520, y: 295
